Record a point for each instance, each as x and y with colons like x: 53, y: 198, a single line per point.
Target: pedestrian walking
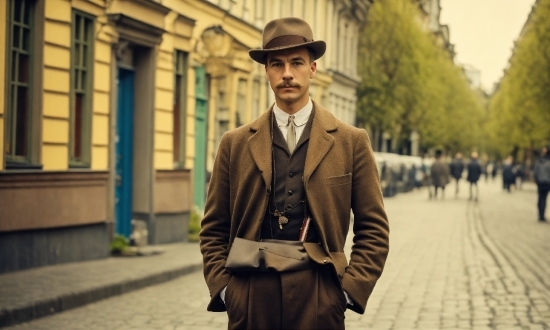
x: 281, y: 194
x: 519, y: 171
x: 474, y: 173
x: 541, y: 173
x: 426, y: 173
x: 440, y: 174
x: 456, y: 168
x: 508, y: 175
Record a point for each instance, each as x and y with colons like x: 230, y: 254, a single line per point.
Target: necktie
x: 291, y: 134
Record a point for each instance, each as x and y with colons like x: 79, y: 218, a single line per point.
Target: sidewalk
x: 30, y: 294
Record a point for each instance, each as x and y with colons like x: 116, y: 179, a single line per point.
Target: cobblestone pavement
x: 453, y: 264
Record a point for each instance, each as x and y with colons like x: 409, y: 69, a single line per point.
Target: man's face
x: 289, y: 72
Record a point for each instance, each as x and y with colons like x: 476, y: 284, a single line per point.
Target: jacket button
x: 325, y: 261
x: 291, y: 174
x: 290, y: 192
x: 288, y: 207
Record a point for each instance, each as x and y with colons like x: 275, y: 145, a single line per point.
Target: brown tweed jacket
x: 340, y: 176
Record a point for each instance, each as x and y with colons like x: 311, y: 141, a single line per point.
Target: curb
x: 47, y: 307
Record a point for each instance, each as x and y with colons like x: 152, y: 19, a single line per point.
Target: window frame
x: 181, y: 71
x: 14, y: 161
x: 84, y: 161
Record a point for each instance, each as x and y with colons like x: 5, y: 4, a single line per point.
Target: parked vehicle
x: 399, y: 173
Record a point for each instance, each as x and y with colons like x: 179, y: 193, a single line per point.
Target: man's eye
x: 297, y: 63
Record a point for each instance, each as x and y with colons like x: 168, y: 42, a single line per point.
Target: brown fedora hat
x: 287, y: 33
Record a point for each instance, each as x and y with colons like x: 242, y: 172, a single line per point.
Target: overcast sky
x: 484, y: 31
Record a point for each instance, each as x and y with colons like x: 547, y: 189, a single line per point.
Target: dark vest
x: 288, y: 187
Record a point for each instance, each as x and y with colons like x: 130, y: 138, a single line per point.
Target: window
x: 81, y: 89
x: 180, y: 108
x: 241, y: 102
x: 19, y: 85
x: 246, y: 10
x: 256, y: 111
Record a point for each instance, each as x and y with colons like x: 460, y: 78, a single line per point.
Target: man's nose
x: 287, y: 74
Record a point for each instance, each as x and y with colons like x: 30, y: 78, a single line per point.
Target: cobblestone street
x: 453, y: 264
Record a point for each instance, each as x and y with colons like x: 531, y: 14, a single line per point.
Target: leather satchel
x: 267, y: 255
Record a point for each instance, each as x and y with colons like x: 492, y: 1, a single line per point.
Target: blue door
x: 201, y: 114
x: 124, y: 152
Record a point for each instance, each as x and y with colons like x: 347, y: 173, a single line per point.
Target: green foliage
x: 119, y: 244
x: 194, y: 226
x: 519, y: 111
x: 410, y: 83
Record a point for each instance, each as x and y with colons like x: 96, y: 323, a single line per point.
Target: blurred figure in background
x: 541, y: 174
x: 489, y: 170
x: 519, y: 171
x: 474, y: 172
x: 440, y: 174
x: 457, y: 167
x: 494, y: 170
x: 426, y: 174
x: 508, y: 175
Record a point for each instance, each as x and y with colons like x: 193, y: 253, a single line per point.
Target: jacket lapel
x: 320, y: 140
x: 260, y: 145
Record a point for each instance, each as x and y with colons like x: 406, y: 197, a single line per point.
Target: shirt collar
x: 300, y: 118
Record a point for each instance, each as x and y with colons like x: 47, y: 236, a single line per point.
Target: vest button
x: 325, y: 261
x: 291, y: 174
x: 288, y: 207
x: 290, y: 192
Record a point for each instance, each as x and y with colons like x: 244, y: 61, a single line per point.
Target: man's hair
x: 438, y: 153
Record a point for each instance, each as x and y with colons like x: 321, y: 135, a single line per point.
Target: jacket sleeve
x: 370, y: 227
x: 215, y: 227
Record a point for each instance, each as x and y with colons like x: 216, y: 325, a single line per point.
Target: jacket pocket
x: 338, y: 180
x: 340, y: 262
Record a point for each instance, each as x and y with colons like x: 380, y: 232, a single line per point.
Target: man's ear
x: 313, y: 69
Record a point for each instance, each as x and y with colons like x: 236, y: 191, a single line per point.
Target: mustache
x: 288, y: 84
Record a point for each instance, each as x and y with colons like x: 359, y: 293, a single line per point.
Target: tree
x: 411, y: 84
x: 519, y: 110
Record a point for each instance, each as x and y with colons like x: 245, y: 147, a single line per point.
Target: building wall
x: 57, y: 59
x: 3, y: 18
x: 78, y: 206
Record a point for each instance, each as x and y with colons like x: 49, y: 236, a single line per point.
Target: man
x: 440, y: 174
x: 293, y: 168
x: 474, y: 172
x: 508, y: 175
x: 541, y: 173
x: 457, y: 167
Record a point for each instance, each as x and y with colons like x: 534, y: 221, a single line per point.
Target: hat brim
x: 260, y: 55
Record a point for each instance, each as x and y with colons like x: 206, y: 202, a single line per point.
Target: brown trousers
x: 306, y: 299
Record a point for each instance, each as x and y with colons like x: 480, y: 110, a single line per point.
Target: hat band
x: 288, y: 40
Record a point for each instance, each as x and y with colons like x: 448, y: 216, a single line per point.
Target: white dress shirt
x: 300, y: 119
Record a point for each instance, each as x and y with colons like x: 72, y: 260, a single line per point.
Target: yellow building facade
x: 113, y: 111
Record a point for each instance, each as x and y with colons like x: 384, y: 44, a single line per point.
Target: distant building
x: 429, y: 16
x: 473, y: 75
